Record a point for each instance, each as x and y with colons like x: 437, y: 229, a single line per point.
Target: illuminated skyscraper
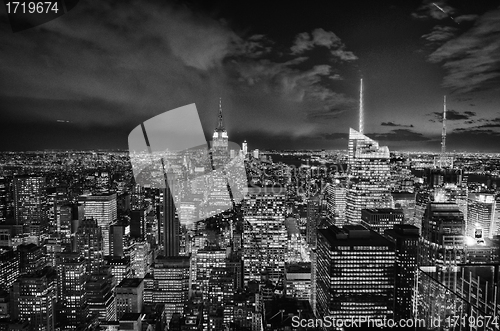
x: 220, y: 153
x: 101, y: 207
x: 30, y: 203
x: 100, y: 296
x: 264, y: 233
x: 442, y: 233
x: 369, y: 176
x: 335, y: 195
x: 481, y: 209
x: 405, y: 238
x: 381, y: 219
x: 89, y: 243
x: 355, y: 273
x: 72, y: 297
x: 129, y: 296
x: 35, y: 297
x: 169, y: 222
x: 169, y: 283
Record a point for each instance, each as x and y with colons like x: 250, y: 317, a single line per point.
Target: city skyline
x: 84, y: 80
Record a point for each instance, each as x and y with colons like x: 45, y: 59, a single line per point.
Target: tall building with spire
x: 369, y: 176
x: 219, y: 147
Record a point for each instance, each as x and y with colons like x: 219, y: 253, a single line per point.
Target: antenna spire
x: 361, y: 109
x: 443, y: 134
x: 220, y: 122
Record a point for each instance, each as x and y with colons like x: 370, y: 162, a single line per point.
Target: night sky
x: 288, y: 72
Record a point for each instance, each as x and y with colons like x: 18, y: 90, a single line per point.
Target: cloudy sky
x: 288, y: 72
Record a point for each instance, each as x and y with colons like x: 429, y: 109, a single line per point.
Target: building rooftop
x: 131, y: 282
x: 353, y: 235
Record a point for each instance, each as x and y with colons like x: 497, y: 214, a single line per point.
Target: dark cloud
x: 466, y: 18
x: 395, y: 124
x: 472, y: 60
x: 399, y: 135
x: 453, y: 115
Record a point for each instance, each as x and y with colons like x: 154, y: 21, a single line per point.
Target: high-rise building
x: 101, y: 207
x: 100, y: 297
x: 481, y: 209
x: 89, y: 243
x: 219, y: 147
x: 35, y: 295
x: 405, y: 238
x: 335, y: 195
x: 72, y: 297
x: 264, y: 233
x: 30, y: 203
x: 314, y: 205
x: 369, y: 176
x: 129, y: 296
x: 216, y: 281
x: 381, y: 219
x: 169, y: 222
x: 120, y: 267
x: 355, y: 273
x: 442, y: 235
x: 31, y: 257
x: 405, y: 201
x: 169, y: 283
x: 298, y: 281
x: 9, y: 268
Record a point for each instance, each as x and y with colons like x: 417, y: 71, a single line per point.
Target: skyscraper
x: 169, y: 222
x: 369, y: 176
x: 100, y: 296
x: 101, y: 207
x: 35, y: 297
x: 355, y: 273
x: 481, y: 210
x: 219, y: 146
x: 405, y: 238
x: 30, y: 203
x: 264, y: 233
x: 442, y: 232
x: 72, y: 297
x: 381, y: 219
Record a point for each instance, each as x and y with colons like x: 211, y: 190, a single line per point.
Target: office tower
x: 256, y: 154
x: 335, y: 195
x: 405, y: 201
x: 100, y: 297
x: 72, y: 297
x: 219, y: 148
x: 31, y: 257
x: 129, y: 296
x: 101, y: 207
x: 313, y: 218
x: 405, y: 238
x: 481, y: 215
x: 442, y: 235
x: 5, y: 199
x: 169, y: 222
x: 30, y: 203
x: 298, y: 280
x: 35, y: 297
x: 216, y: 282
x: 381, y: 219
x: 140, y: 259
x: 64, y: 218
x: 9, y: 268
x: 264, y: 233
x: 369, y: 176
x: 138, y: 224
x: 120, y: 267
x: 355, y: 273
x: 89, y: 243
x: 117, y: 239
x: 169, y: 283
